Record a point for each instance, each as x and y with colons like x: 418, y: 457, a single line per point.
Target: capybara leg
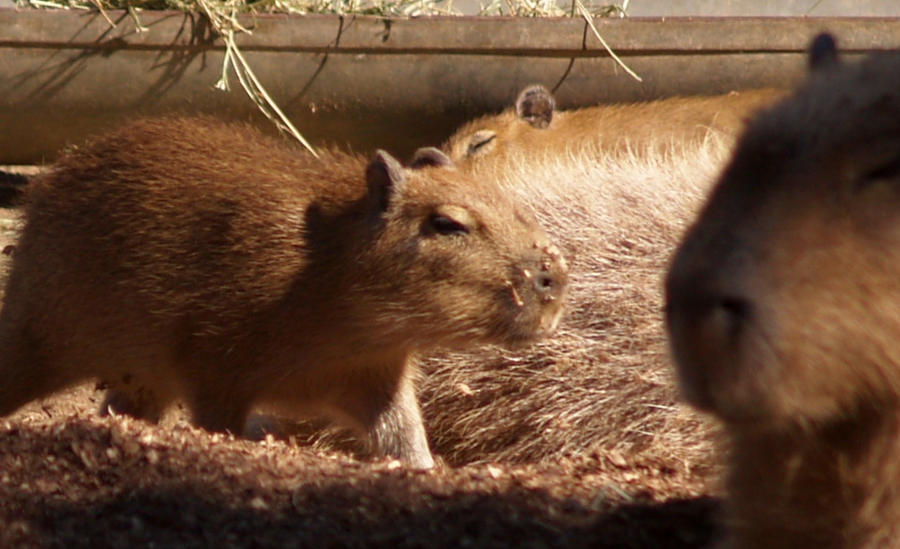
x: 258, y: 426
x: 137, y: 401
x: 220, y: 411
x: 396, y: 428
x: 24, y: 371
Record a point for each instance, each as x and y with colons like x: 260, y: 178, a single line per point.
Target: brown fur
x: 188, y: 258
x: 533, y: 126
x: 602, y: 382
x: 784, y: 313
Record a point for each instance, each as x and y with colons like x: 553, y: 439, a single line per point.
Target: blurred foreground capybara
x: 603, y: 383
x: 187, y: 258
x: 783, y: 309
x: 534, y: 126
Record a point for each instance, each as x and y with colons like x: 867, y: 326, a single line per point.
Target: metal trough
x: 374, y: 82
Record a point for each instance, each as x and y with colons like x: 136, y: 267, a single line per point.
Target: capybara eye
x: 442, y: 224
x: 479, y: 140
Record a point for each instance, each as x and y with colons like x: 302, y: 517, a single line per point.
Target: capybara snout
x: 712, y: 321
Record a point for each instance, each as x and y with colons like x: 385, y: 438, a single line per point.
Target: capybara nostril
x: 706, y: 326
x: 733, y: 310
x: 553, y: 271
x: 546, y: 287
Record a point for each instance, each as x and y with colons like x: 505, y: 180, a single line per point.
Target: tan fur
x: 602, y: 382
x: 639, y: 127
x: 188, y: 258
x: 784, y: 314
x: 617, y: 206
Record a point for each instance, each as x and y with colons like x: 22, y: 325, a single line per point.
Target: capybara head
x: 533, y: 111
x: 783, y: 300
x: 459, y: 258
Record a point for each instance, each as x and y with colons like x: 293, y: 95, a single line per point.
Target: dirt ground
x: 69, y: 478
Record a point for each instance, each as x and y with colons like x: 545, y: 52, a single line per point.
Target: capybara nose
x: 551, y: 280
x: 719, y: 323
x: 705, y: 333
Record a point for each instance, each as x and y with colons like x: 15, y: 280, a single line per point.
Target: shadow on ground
x: 90, y: 482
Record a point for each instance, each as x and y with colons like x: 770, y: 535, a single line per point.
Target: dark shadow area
x: 12, y: 188
x: 76, y: 485
x: 340, y: 514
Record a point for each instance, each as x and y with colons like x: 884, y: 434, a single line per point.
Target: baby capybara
x: 187, y: 258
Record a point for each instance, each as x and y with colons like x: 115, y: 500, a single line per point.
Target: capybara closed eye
x: 533, y: 127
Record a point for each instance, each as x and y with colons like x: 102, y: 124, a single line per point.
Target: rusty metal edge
x: 539, y: 37
x: 368, y: 82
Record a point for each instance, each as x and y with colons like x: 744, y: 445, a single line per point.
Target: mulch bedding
x: 69, y: 478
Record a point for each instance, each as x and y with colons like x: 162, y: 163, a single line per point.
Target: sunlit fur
x: 614, y: 185
x: 640, y: 127
x: 602, y: 382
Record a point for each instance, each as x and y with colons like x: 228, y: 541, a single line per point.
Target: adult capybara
x: 603, y: 382
x: 186, y: 258
x: 534, y: 126
x: 784, y: 312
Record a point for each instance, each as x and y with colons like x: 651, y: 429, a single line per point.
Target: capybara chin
x: 783, y: 308
x: 187, y: 258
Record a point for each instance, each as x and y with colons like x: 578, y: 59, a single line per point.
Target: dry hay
x: 392, y: 8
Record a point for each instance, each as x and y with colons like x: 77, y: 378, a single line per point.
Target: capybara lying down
x: 187, y: 258
x: 783, y: 307
x: 603, y: 382
x: 534, y: 126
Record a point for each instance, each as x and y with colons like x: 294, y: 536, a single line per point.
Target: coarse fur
x: 784, y: 313
x: 642, y: 127
x: 187, y: 258
x: 602, y: 383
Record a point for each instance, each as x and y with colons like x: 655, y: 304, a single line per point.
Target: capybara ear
x: 384, y: 175
x: 823, y: 53
x: 429, y: 156
x: 535, y: 105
